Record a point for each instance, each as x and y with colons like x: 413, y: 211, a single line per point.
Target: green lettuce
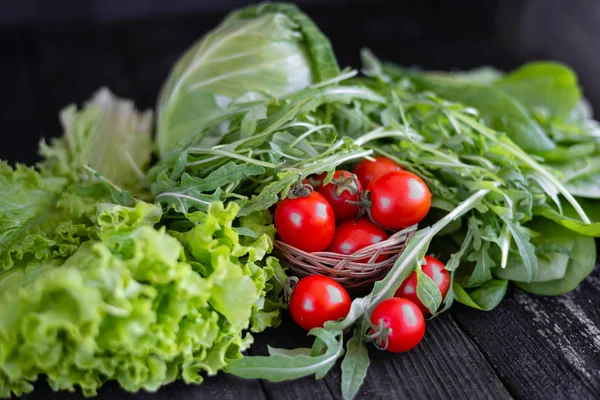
x: 257, y: 52
x: 136, y: 305
x: 41, y: 218
x: 108, y: 135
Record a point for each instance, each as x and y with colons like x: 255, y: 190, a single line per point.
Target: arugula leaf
x: 285, y: 365
x: 569, y: 220
x: 499, y: 110
x: 354, y: 366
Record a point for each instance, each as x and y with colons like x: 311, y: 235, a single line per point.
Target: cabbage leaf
x: 265, y: 50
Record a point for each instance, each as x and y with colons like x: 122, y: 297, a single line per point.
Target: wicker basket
x: 356, y: 277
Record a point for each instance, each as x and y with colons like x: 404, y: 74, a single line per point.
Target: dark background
x: 56, y: 52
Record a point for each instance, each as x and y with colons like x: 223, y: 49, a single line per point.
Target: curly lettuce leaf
x: 108, y: 135
x: 136, y: 306
x: 267, y: 50
x: 41, y: 218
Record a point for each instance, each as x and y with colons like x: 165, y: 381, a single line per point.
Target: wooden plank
x: 542, y: 347
x: 289, y: 335
x: 443, y: 366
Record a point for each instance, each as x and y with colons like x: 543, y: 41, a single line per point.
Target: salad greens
x: 115, y: 269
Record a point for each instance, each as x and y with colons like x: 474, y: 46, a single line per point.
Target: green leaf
x: 354, y: 366
x: 42, y: 218
x: 582, y: 176
x: 582, y: 259
x: 569, y: 218
x: 483, y: 265
x: 108, y: 135
x: 428, y: 292
x: 197, y: 193
x: 128, y: 307
x: 552, y: 247
x: 502, y: 112
x: 547, y: 86
x: 484, y: 298
x: 271, y: 49
x: 280, y: 367
x: 525, y: 248
x: 301, y: 351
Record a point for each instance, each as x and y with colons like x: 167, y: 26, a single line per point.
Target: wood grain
x: 445, y: 365
x: 542, y: 347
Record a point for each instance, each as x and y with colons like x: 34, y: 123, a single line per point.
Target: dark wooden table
x: 530, y: 347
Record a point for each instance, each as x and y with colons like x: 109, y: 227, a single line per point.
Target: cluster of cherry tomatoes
x: 317, y: 299
x: 393, y: 198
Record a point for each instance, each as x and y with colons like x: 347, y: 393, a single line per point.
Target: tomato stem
x: 345, y: 184
x: 300, y: 190
x: 380, y: 334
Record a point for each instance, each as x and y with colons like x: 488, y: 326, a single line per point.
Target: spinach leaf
x: 486, y: 297
x: 582, y: 176
x: 568, y: 217
x: 499, y: 110
x: 553, y: 244
x: 582, y: 259
x: 547, y: 87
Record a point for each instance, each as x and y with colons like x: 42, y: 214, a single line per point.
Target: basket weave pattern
x: 348, y: 270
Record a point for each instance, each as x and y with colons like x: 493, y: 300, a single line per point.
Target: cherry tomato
x: 317, y: 299
x: 306, y: 223
x: 344, y: 186
x: 406, y: 323
x: 399, y: 199
x: 315, y: 180
x: 367, y: 170
x: 434, y: 269
x: 352, y: 236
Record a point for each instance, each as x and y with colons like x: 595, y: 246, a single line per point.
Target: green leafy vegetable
x: 257, y: 52
x: 131, y: 307
x: 40, y: 218
x: 108, y: 135
x: 354, y: 366
x: 285, y: 365
x: 543, y: 87
x: 485, y: 298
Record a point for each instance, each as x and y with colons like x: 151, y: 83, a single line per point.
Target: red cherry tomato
x: 434, y: 269
x: 344, y: 186
x: 399, y: 199
x: 352, y: 236
x: 315, y: 180
x: 367, y: 170
x: 306, y: 223
x: 317, y: 299
x: 406, y: 323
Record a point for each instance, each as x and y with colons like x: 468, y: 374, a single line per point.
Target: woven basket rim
x: 347, y: 269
